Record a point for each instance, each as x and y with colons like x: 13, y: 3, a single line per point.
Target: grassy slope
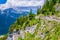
x: 51, y: 28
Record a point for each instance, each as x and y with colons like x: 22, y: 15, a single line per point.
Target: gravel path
x: 51, y: 18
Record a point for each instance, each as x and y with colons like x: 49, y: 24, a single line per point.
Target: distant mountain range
x: 9, y: 16
x: 10, y: 12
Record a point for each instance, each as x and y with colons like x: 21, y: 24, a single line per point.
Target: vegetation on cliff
x: 46, y: 29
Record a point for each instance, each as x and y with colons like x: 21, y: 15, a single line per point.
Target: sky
x: 20, y: 3
x: 2, y: 1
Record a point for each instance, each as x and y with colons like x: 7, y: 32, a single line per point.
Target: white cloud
x: 16, y: 3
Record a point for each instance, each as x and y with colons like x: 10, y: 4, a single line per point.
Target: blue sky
x: 3, y: 1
